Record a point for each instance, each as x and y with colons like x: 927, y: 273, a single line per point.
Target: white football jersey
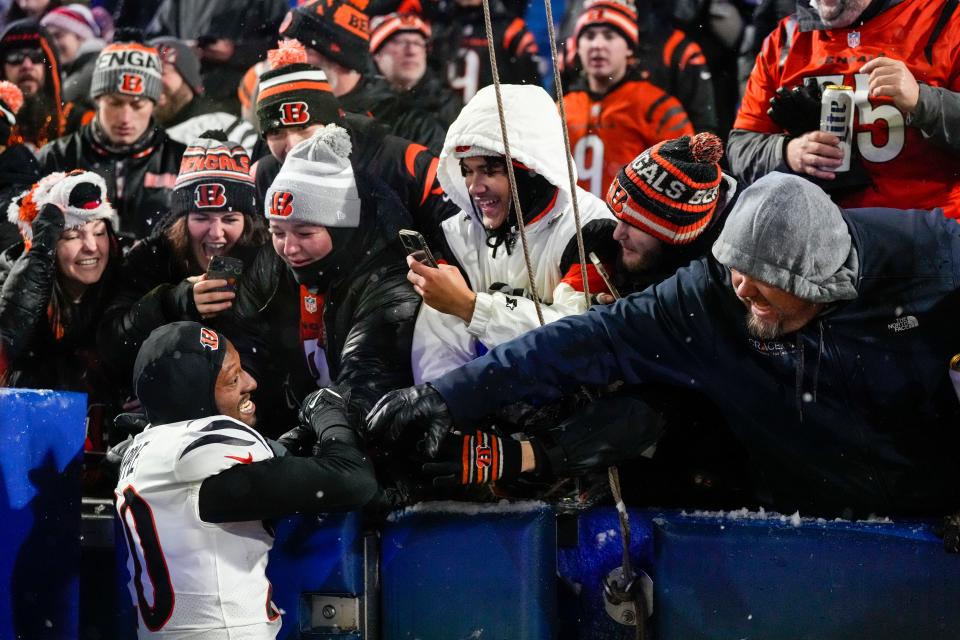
x: 189, y: 578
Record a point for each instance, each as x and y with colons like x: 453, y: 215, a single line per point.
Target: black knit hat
x: 293, y: 93
x: 182, y: 57
x: 176, y: 370
x: 670, y: 190
x: 338, y: 29
x: 214, y: 177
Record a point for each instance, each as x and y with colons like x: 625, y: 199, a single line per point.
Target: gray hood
x: 786, y: 232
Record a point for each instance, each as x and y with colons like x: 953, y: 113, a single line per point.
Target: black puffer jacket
x: 430, y: 94
x: 139, y: 177
x: 18, y: 171
x: 36, y: 357
x: 152, y: 291
x: 404, y: 118
x: 368, y: 316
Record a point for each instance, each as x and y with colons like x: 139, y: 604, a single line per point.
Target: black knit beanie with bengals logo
x: 337, y: 29
x: 670, y: 190
x: 214, y: 177
x: 294, y: 93
x: 176, y: 370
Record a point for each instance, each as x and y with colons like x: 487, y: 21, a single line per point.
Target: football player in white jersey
x: 196, y: 483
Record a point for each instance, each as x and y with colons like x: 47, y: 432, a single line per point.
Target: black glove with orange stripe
x: 476, y: 458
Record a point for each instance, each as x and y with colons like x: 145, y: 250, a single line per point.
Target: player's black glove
x: 475, y: 458
x: 322, y: 409
x: 421, y: 406
x: 797, y: 110
x: 47, y: 228
x: 298, y: 441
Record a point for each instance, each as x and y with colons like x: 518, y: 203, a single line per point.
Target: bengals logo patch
x: 131, y: 83
x: 281, y: 204
x: 210, y: 195
x: 484, y: 456
x: 294, y: 113
x: 209, y: 339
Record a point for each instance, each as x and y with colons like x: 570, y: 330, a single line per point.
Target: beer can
x: 836, y: 117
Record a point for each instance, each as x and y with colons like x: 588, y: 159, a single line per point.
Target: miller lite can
x: 836, y: 117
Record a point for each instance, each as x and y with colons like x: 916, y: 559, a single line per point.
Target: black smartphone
x: 225, y: 268
x: 416, y: 246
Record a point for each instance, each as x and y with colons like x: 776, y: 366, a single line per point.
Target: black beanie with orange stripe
x: 294, y: 93
x: 670, y: 190
x: 337, y: 29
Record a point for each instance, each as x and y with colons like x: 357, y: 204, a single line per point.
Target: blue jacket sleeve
x: 663, y: 334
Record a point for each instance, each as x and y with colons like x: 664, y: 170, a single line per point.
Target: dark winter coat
x: 35, y: 356
x: 405, y: 119
x: 434, y: 96
x: 368, y: 316
x: 853, y: 414
x: 152, y: 291
x: 139, y: 177
x: 18, y: 171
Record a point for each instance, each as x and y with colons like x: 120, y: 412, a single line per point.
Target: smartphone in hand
x: 225, y: 268
x: 604, y: 275
x: 416, y: 246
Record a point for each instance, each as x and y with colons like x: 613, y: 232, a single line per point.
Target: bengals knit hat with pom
x: 670, y: 190
x: 11, y: 99
x: 316, y: 184
x: 129, y: 68
x: 293, y: 93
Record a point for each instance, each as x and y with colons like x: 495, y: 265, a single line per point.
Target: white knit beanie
x: 316, y: 184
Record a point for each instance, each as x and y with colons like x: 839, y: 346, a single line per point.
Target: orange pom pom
x: 11, y: 96
x: 288, y: 52
x: 706, y: 148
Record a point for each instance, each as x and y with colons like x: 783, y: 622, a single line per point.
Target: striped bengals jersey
x: 191, y: 578
x: 607, y: 132
x: 462, y: 43
x: 907, y: 170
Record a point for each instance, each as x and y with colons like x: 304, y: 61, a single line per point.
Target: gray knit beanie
x: 128, y: 68
x: 785, y: 231
x: 316, y: 183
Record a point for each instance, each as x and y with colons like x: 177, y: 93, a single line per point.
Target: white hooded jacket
x: 442, y: 342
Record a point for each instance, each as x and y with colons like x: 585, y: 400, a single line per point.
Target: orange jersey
x: 908, y: 171
x: 608, y: 132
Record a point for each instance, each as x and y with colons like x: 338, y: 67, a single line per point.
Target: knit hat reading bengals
x: 128, y: 67
x: 214, y: 177
x: 617, y: 14
x: 316, y: 184
x: 670, y: 190
x: 81, y: 195
x: 338, y: 29
x: 293, y: 93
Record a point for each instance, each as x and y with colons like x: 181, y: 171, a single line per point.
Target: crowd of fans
x: 144, y: 142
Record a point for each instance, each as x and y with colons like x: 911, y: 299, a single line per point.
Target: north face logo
x: 131, y: 83
x: 211, y: 195
x: 904, y: 324
x: 294, y: 113
x: 281, y: 204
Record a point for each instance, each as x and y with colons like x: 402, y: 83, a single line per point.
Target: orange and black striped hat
x: 385, y: 27
x: 670, y: 190
x: 293, y: 93
x: 337, y: 29
x: 617, y: 14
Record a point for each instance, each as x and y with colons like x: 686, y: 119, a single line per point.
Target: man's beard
x: 843, y: 15
x: 34, y: 116
x: 763, y: 330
